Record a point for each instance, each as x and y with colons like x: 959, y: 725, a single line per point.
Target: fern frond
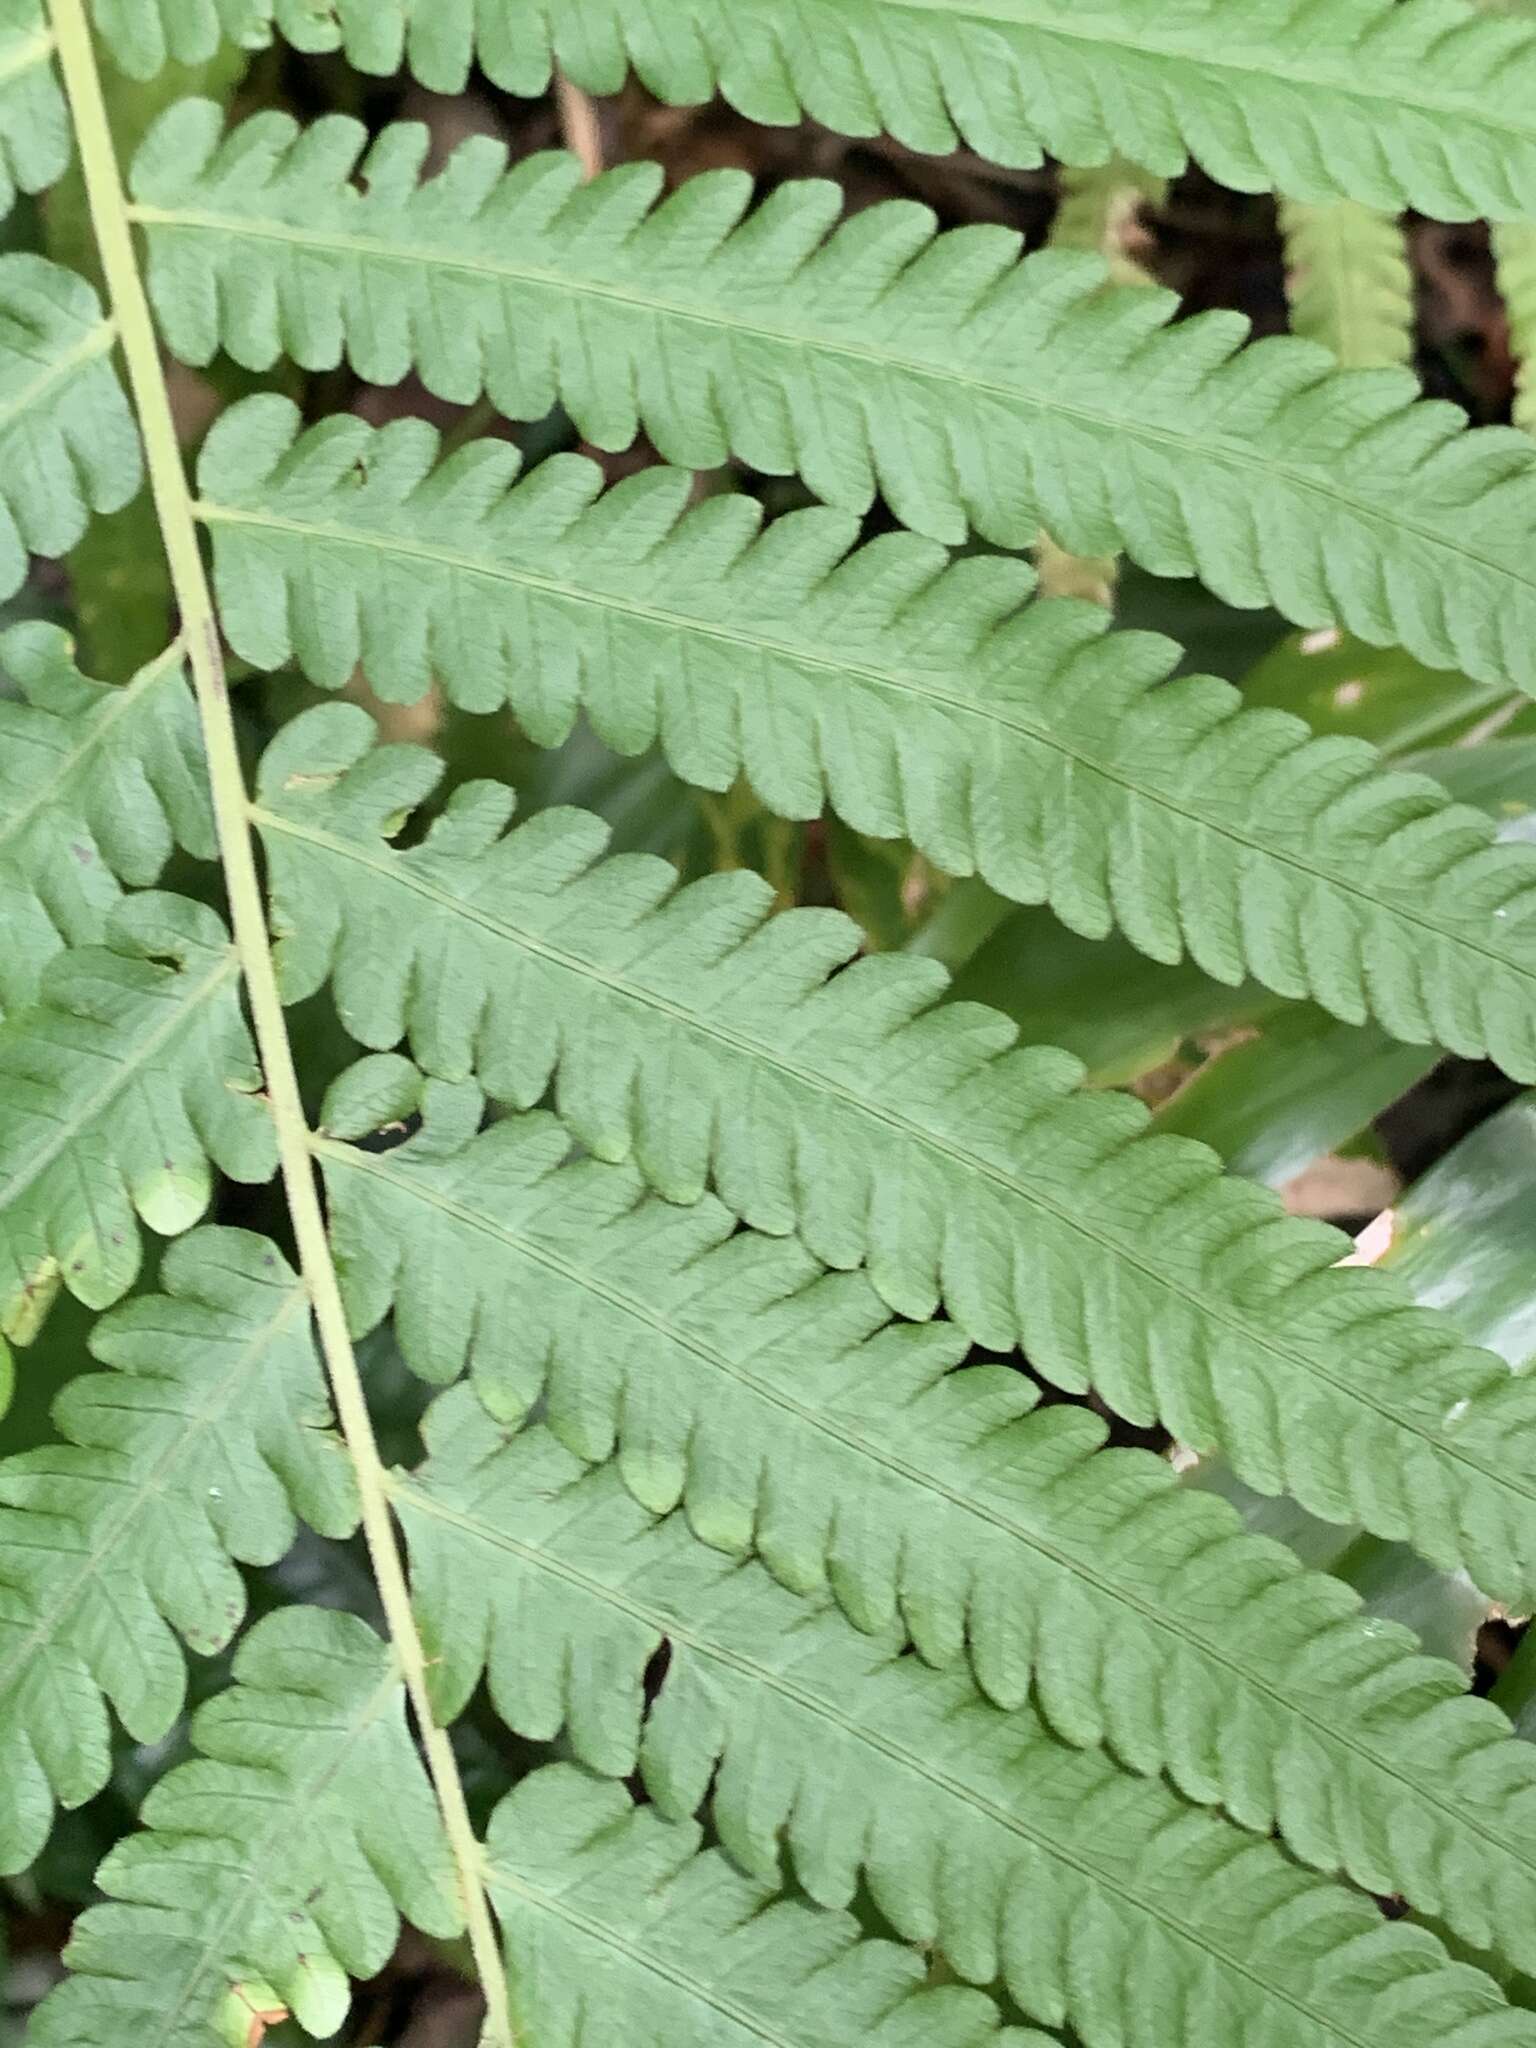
x: 1099, y: 211
x: 970, y: 389
x: 144, y: 35
x: 198, y: 1449
x: 34, y: 127
x: 919, y: 700
x: 616, y: 1919
x: 1091, y: 1896
x: 730, y: 1375
x: 1349, y: 282
x: 278, y: 1861
x: 1514, y: 258
x: 1424, y: 104
x: 129, y: 1079
x: 286, y: 1133
x: 97, y: 785
x: 68, y: 446
x: 686, y: 1030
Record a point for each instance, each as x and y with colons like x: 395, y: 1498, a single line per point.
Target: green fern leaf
x: 1349, y: 282
x: 1423, y: 104
x: 1090, y: 1895
x: 197, y: 1449
x: 684, y: 1030
x: 969, y: 389
x: 1031, y: 747
x: 726, y: 1374
x: 143, y: 35
x: 1099, y: 210
x: 280, y: 1859
x: 619, y: 1921
x: 97, y: 785
x: 130, y: 1078
x: 1514, y: 254
x: 68, y: 446
x: 34, y: 128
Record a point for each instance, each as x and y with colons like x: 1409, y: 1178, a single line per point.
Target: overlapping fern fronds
x: 969, y: 389
x: 919, y: 699
x: 689, y: 1032
x: 920, y: 1682
x: 1426, y: 104
x: 767, y: 1704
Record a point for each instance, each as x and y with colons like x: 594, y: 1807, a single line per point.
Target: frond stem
x: 173, y: 503
x: 579, y: 129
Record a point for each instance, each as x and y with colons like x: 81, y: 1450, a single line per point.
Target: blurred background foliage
x: 1432, y: 1163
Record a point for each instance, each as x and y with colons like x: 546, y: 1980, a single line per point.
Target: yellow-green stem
x: 173, y: 503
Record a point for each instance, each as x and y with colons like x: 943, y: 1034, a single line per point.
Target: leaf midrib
x: 401, y: 874
x: 1005, y: 1818
x: 922, y: 691
x: 1233, y: 454
x: 1157, y: 1620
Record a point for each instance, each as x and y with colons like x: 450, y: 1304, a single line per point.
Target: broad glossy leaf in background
x: 1463, y: 1236
x: 1339, y: 684
x: 1119, y: 1012
x: 1304, y: 1086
